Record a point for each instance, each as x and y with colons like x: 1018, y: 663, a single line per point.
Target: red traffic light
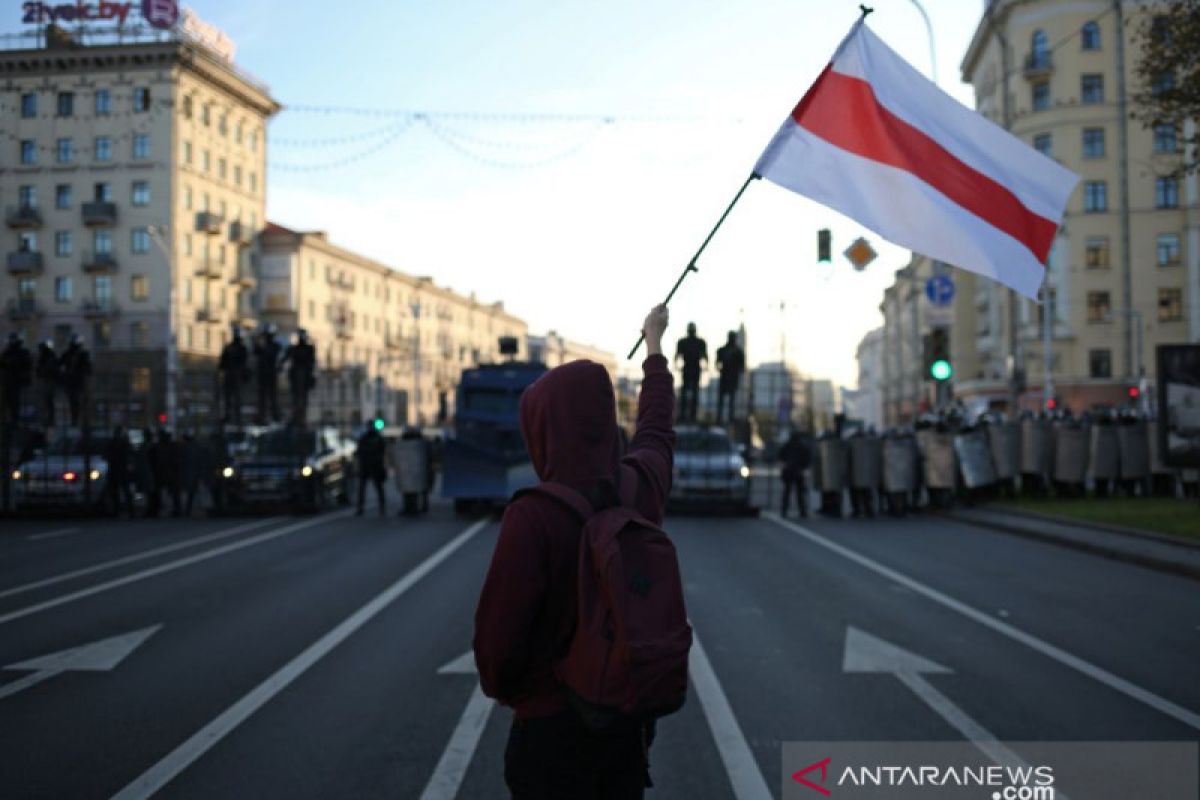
x: 162, y: 419
x: 1134, y: 392
x: 1051, y: 404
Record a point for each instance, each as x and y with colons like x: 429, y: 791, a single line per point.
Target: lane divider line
x: 170, y: 566
x: 66, y: 576
x: 37, y: 537
x: 179, y: 759
x: 1128, y: 688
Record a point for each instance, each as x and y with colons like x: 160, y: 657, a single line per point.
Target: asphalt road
x: 300, y: 657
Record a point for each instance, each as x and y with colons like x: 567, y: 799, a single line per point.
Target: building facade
x: 866, y: 402
x: 133, y: 178
x: 1124, y: 273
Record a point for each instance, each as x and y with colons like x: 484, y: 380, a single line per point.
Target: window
x: 1095, y: 196
x: 187, y: 152
x: 1091, y: 89
x: 66, y: 104
x: 140, y: 193
x: 1096, y: 252
x: 64, y: 150
x: 139, y: 240
x: 1162, y: 83
x: 187, y: 198
x: 28, y: 105
x: 62, y: 289
x: 141, y: 99
x: 27, y: 196
x: 253, y: 183
x: 27, y: 242
x: 102, y: 242
x: 1166, y: 193
x: 1049, y: 305
x: 102, y: 290
x: 1039, y: 49
x: 27, y: 290
x: 223, y: 125
x: 62, y: 243
x: 137, y: 335
x: 221, y: 166
x: 62, y: 195
x: 101, y: 333
x: 103, y: 192
x: 187, y: 336
x: 141, y: 146
x: 103, y: 148
x: 1089, y: 36
x: 205, y: 160
x: 1100, y: 363
x: 237, y: 133
x: 187, y: 244
x: 139, y: 288
x: 1099, y: 307
x: 186, y: 108
x: 1170, y: 305
x: 103, y: 99
x: 1166, y: 248
x: 253, y: 142
x: 1160, y: 30
x: 204, y: 115
x: 1041, y: 95
x: 1093, y: 142
x: 1165, y: 140
x: 237, y: 176
x: 1044, y: 144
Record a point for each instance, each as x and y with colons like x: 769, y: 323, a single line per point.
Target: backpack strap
x: 565, y: 495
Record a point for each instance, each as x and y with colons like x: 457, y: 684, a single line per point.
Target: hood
x: 569, y: 421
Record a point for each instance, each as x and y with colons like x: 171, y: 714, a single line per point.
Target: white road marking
x: 744, y: 775
x: 37, y: 537
x: 204, y: 739
x: 1184, y: 715
x: 100, y: 656
x: 452, y: 766
x: 158, y: 551
x: 170, y: 566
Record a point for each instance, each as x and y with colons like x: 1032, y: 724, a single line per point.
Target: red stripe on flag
x: 844, y: 111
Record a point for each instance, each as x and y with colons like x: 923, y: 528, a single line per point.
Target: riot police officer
x: 16, y: 367
x: 76, y: 368
x: 301, y: 358
x: 266, y: 361
x: 731, y: 363
x: 234, y: 368
x: 692, y: 351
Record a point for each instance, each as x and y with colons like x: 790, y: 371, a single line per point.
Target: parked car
x: 286, y: 467
x: 69, y: 473
x: 710, y: 470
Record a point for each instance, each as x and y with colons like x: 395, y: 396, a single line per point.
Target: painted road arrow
x: 867, y: 653
x: 99, y: 656
x: 448, y: 775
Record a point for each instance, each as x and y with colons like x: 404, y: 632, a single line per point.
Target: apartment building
x: 1124, y: 272
x: 133, y: 175
x: 387, y: 342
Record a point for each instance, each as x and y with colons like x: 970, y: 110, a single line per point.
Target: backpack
x: 628, y: 655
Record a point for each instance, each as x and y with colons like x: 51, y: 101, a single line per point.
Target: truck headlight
x: 744, y: 471
x: 227, y: 472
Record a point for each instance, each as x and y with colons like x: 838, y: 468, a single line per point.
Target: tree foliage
x: 1168, y: 75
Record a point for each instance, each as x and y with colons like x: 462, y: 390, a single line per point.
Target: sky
x: 580, y: 224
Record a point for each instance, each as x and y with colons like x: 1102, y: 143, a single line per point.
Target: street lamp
x: 415, y: 307
x: 158, y: 234
x: 932, y: 48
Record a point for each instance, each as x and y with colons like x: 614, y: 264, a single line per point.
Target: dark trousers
x: 233, y: 400
x: 12, y: 403
x: 155, y: 505
x: 794, y: 482
x: 689, y: 396
x: 558, y: 758
x: 375, y: 478
x: 119, y: 494
x: 299, y: 399
x: 268, y: 399
x: 75, y: 403
x: 47, y: 404
x: 726, y: 394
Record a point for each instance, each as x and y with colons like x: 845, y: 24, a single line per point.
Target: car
x: 71, y: 472
x: 710, y: 470
x: 285, y: 467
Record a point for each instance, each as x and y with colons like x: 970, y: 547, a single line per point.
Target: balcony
x: 244, y: 279
x: 98, y: 309
x: 211, y: 271
x: 25, y: 262
x: 23, y: 308
x: 206, y: 315
x: 24, y: 217
x: 1038, y: 66
x: 393, y: 341
x: 343, y: 330
x: 240, y: 233
x: 99, y: 262
x: 99, y: 213
x: 208, y: 222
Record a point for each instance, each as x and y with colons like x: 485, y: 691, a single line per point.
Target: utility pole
x: 172, y: 399
x: 1123, y: 171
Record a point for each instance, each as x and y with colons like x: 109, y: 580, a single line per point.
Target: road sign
x: 860, y: 253
x: 940, y: 290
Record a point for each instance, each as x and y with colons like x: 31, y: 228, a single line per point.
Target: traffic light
x: 1051, y: 404
x: 377, y: 423
x: 1134, y: 393
x: 937, y: 354
x: 162, y: 419
x: 824, y: 243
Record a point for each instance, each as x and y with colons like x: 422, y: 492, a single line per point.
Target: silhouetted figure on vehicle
x: 794, y: 458
x: 266, y: 372
x: 16, y: 369
x: 235, y: 370
x: 370, y: 456
x: 731, y: 363
x: 76, y: 366
x: 301, y: 361
x: 49, y: 376
x: 117, y: 454
x: 693, y: 352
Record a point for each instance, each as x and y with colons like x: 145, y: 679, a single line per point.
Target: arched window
x: 1039, y: 46
x: 1089, y: 35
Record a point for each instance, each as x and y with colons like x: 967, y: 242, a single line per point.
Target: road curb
x: 1095, y: 548
x: 1133, y: 533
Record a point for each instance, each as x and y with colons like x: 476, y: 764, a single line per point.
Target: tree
x: 1168, y: 80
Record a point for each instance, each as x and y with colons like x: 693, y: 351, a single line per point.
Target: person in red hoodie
x: 526, y: 612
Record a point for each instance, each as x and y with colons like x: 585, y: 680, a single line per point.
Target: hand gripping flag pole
x: 691, y: 265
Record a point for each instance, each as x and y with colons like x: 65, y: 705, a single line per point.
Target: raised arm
x: 651, y: 451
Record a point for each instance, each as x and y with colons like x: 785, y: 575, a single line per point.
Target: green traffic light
x: 378, y: 423
x: 940, y: 370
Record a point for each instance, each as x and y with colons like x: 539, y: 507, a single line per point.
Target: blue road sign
x: 940, y: 290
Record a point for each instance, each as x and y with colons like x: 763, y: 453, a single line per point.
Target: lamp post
x: 415, y: 307
x: 157, y: 234
x: 932, y: 48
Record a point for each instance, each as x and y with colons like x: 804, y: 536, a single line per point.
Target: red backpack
x: 628, y: 655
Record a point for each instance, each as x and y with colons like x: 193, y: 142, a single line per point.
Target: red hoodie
x: 526, y: 612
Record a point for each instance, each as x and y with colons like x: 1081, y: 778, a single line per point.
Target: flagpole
x: 691, y: 267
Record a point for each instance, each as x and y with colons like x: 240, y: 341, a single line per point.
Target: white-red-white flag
x: 877, y: 141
